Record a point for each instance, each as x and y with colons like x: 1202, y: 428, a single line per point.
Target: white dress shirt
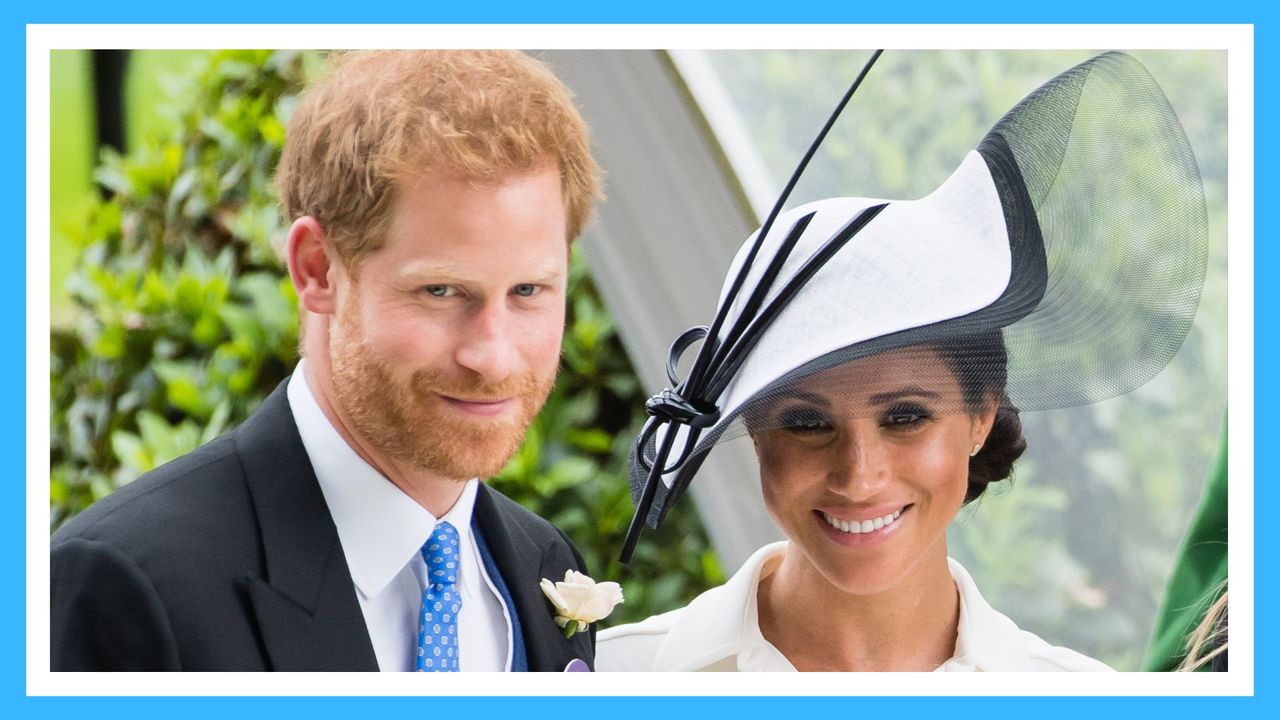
x: 382, y: 531
x: 720, y: 630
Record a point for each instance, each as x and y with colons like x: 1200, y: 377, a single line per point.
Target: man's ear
x: 313, y: 265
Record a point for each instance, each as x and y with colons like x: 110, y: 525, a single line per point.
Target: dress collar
x: 380, y: 527
x: 720, y: 629
x: 722, y: 624
x: 986, y: 640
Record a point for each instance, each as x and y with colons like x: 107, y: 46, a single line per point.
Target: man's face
x: 446, y: 340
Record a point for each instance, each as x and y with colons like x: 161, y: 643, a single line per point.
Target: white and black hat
x: 1063, y: 260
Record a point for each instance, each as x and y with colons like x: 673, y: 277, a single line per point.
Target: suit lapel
x: 306, y: 606
x: 523, y: 564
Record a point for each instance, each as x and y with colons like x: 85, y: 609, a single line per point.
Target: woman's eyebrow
x: 910, y: 391
x: 794, y: 394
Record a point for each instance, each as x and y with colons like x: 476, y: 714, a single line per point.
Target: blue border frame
x: 14, y: 703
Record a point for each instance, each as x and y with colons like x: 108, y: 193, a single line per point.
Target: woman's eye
x: 525, y: 290
x: 803, y: 421
x: 439, y: 290
x: 904, y: 416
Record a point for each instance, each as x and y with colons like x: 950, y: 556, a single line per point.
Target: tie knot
x: 441, y: 555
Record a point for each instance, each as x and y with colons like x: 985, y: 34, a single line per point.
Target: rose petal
x: 554, y: 596
x: 611, y: 590
x: 597, y: 608
x: 575, y: 597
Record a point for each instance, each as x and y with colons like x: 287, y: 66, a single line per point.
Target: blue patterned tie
x: 438, y: 619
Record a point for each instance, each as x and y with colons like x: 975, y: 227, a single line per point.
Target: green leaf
x: 622, y: 385
x: 187, y: 294
x: 156, y: 295
x: 207, y: 330
x: 565, y: 473
x: 580, y: 409
x: 272, y: 130
x: 592, y: 440
x: 113, y: 179
x: 711, y: 569
x: 109, y: 345
x: 131, y: 451
x: 182, y: 188
x: 244, y: 324
x: 100, y: 487
x: 182, y: 383
x: 58, y: 492
x: 186, y: 438
x: 217, y: 422
x: 156, y: 433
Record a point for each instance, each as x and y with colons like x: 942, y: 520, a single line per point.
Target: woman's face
x: 864, y: 466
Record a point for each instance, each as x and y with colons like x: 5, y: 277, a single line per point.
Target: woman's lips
x: 482, y: 407
x: 866, y: 528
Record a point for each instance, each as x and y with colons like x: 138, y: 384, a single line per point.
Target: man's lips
x: 487, y: 407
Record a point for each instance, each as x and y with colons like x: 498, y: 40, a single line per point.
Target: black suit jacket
x: 228, y: 559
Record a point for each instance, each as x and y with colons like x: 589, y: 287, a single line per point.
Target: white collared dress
x: 720, y: 631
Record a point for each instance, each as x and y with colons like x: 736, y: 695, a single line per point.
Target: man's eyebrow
x: 446, y: 272
x: 909, y: 391
x: 548, y: 272
x: 423, y: 269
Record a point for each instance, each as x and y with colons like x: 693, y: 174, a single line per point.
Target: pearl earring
x: 975, y: 450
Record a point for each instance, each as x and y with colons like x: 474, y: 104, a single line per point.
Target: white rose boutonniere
x: 580, y: 601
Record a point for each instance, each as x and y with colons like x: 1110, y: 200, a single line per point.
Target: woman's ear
x: 312, y: 264
x: 982, y: 421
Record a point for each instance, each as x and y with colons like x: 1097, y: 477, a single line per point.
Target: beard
x: 411, y: 424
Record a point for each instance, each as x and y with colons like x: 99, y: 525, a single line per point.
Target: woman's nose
x: 862, y: 468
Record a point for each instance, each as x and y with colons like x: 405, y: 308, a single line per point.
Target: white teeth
x: 857, y: 527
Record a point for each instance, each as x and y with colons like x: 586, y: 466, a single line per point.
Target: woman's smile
x: 863, y: 533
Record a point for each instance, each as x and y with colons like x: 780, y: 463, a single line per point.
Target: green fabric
x: 1198, y: 573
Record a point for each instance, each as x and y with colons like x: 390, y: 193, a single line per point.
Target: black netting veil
x: 1060, y: 265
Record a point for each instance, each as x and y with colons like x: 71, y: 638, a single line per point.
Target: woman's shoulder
x: 706, y: 634
x: 634, y: 646
x: 1044, y: 657
x: 987, y: 640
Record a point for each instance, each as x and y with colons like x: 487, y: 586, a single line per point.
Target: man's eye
x: 439, y: 290
x: 525, y: 290
x: 803, y: 420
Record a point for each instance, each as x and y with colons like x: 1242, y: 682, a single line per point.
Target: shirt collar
x: 380, y: 527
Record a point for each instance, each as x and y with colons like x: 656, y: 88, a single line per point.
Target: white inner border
x: 1237, y: 40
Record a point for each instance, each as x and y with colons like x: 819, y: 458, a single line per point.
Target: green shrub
x: 185, y: 320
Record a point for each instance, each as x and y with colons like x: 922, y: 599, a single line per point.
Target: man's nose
x: 485, y: 344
